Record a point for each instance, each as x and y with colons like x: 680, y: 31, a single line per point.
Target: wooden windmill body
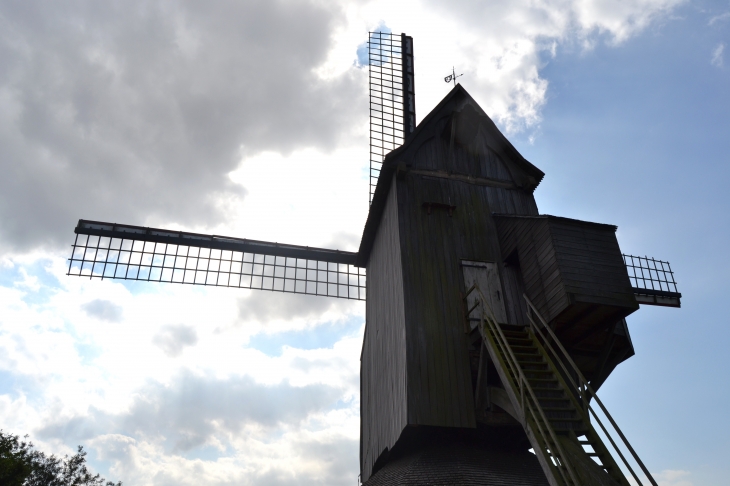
x: 455, y: 206
x: 489, y: 327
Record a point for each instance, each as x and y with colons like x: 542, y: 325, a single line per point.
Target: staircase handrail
x: 584, y: 385
x: 586, y: 404
x: 516, y: 370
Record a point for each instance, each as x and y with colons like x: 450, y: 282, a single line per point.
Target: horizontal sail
x: 107, y: 250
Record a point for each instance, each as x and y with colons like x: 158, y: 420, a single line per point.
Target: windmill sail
x: 392, y: 97
x: 461, y: 396
x: 653, y: 281
x: 106, y: 250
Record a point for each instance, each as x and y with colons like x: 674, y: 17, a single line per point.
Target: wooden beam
x: 500, y: 398
x: 606, y: 351
x: 663, y: 301
x: 141, y: 233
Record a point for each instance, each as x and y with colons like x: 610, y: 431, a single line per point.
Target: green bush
x: 22, y: 465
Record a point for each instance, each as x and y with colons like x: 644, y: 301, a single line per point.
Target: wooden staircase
x: 549, y: 396
x: 564, y: 414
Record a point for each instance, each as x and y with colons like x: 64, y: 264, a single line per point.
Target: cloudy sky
x: 249, y: 119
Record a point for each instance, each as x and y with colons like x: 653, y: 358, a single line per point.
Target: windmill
x: 489, y: 327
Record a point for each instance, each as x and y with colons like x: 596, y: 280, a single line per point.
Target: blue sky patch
x: 319, y: 337
x: 87, y: 352
x: 362, y: 49
x: 12, y: 277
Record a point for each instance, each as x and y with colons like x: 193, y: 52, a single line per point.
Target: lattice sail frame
x: 650, y: 275
x: 392, y: 96
x: 146, y: 254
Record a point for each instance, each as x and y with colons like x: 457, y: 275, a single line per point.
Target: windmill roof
x: 527, y: 176
x: 502, y: 146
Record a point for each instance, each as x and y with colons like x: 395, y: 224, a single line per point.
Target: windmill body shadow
x: 489, y: 327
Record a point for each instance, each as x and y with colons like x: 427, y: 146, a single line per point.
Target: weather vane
x: 452, y: 77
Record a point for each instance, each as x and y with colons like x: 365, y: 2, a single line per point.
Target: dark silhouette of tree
x: 22, y: 465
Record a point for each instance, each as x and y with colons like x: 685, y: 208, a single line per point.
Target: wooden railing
x: 584, y: 390
x: 530, y: 410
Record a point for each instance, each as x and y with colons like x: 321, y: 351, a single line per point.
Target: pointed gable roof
x: 459, y: 104
x: 471, y: 119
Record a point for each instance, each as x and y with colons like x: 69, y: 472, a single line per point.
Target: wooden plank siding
x: 475, y: 174
x: 457, y: 190
x: 439, y: 377
x: 574, y: 274
x: 566, y: 261
x: 383, y: 360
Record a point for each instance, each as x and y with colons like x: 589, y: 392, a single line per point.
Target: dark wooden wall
x: 383, y: 362
x: 439, y: 377
x: 458, y: 190
x: 591, y: 264
x: 415, y: 362
x: 565, y: 261
x: 529, y: 240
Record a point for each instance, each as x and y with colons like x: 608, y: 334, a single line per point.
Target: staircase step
x: 549, y: 393
x: 571, y: 419
x: 560, y: 415
x: 541, y: 373
x: 539, y: 379
x: 520, y: 341
x: 568, y: 426
x: 566, y: 429
x: 554, y: 406
x: 543, y: 382
x: 510, y: 332
x: 550, y: 405
x: 534, y: 366
x: 552, y: 399
x: 529, y: 347
x: 525, y: 351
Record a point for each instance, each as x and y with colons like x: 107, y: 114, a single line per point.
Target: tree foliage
x: 22, y: 465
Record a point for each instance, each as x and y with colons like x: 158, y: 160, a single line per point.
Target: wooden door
x: 486, y: 276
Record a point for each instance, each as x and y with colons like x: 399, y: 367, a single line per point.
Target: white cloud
x: 717, y: 56
x: 719, y: 18
x: 103, y: 310
x: 173, y: 339
x: 667, y: 477
x: 221, y: 411
x: 247, y: 119
x: 672, y: 477
x: 502, y: 45
x: 141, y: 114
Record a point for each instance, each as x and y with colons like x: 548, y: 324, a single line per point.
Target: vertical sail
x: 392, y: 96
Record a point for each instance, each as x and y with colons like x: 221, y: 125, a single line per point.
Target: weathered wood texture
x: 514, y: 289
x: 439, y: 376
x: 485, y: 277
x: 573, y: 272
x: 565, y: 262
x: 383, y: 361
x: 474, y: 174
